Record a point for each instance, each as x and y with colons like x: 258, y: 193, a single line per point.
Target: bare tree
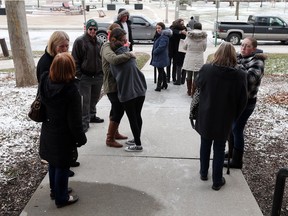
x: 20, y: 44
x: 237, y: 9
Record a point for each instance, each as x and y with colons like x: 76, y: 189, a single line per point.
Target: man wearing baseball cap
x: 86, y: 52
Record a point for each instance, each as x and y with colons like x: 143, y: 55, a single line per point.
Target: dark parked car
x: 143, y: 28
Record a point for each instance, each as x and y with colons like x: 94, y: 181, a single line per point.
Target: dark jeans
x: 117, y: 109
x: 218, y: 158
x: 90, y: 90
x: 168, y: 68
x: 133, y: 110
x: 58, y: 178
x: 239, y: 125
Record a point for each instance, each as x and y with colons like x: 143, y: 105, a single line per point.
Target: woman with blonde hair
x: 58, y: 43
x: 62, y: 130
x: 223, y: 96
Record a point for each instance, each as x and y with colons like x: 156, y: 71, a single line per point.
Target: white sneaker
x: 134, y: 148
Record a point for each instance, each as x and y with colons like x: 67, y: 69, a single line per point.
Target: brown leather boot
x: 193, y: 88
x: 189, y: 83
x: 110, y: 140
x: 119, y: 136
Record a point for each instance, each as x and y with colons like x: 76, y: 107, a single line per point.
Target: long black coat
x: 44, y: 64
x: 223, y: 97
x: 62, y: 130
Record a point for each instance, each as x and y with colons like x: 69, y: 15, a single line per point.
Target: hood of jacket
x: 260, y: 56
x: 167, y: 32
x: 48, y: 89
x: 122, y: 14
x: 197, y: 34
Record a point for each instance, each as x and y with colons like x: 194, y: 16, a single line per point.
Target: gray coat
x: 130, y: 80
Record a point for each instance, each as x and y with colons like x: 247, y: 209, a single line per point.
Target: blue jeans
x: 90, y: 90
x: 239, y: 125
x: 58, y: 178
x: 218, y: 158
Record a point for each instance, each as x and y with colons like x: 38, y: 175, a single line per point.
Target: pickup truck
x: 143, y: 28
x: 269, y: 28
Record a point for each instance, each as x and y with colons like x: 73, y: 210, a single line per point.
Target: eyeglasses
x: 91, y: 29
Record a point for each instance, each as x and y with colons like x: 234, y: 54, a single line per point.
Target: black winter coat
x: 44, y: 64
x: 62, y: 131
x: 223, y: 97
x: 178, y: 57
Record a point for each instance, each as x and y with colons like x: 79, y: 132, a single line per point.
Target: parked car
x: 270, y: 28
x: 143, y: 28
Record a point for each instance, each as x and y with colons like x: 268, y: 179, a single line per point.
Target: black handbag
x: 37, y: 110
x: 194, y: 107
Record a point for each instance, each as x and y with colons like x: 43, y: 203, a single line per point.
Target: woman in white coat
x: 195, y: 45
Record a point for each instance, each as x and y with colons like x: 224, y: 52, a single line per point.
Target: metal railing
x: 279, y: 191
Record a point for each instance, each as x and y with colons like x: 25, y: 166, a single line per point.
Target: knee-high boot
x: 164, y: 84
x: 229, y: 153
x: 237, y: 160
x: 110, y: 140
x: 168, y: 68
x: 193, y: 88
x: 189, y: 85
x: 183, y: 76
x: 159, y: 81
x: 120, y: 136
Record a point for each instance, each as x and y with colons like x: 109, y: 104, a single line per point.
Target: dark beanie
x: 91, y: 22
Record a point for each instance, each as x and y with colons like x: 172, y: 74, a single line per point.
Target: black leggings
x: 117, y: 109
x: 133, y: 110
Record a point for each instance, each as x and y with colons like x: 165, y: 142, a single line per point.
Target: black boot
x: 159, y: 81
x: 168, y: 73
x: 164, y: 84
x: 183, y: 76
x: 237, y: 160
x: 230, y: 146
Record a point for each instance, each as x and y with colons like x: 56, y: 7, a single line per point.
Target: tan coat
x: 195, y: 45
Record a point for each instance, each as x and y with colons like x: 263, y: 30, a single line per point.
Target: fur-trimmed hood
x: 167, y: 32
x: 122, y: 14
x: 197, y: 34
x: 256, y: 56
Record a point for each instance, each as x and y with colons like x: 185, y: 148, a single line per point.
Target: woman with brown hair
x: 62, y: 130
x: 223, y: 97
x: 131, y: 86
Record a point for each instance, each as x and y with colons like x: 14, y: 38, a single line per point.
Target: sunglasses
x: 91, y: 29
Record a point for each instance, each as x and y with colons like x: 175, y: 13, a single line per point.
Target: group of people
x: 70, y: 88
x: 186, y: 62
x: 228, y: 89
x: 228, y: 94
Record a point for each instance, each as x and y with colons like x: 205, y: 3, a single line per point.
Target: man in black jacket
x: 86, y: 52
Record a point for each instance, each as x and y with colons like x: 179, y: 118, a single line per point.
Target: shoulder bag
x: 194, y: 107
x: 37, y: 110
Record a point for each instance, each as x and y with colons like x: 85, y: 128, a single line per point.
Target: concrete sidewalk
x: 162, y: 180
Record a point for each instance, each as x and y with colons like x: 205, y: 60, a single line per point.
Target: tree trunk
x: 20, y: 44
x: 237, y: 9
